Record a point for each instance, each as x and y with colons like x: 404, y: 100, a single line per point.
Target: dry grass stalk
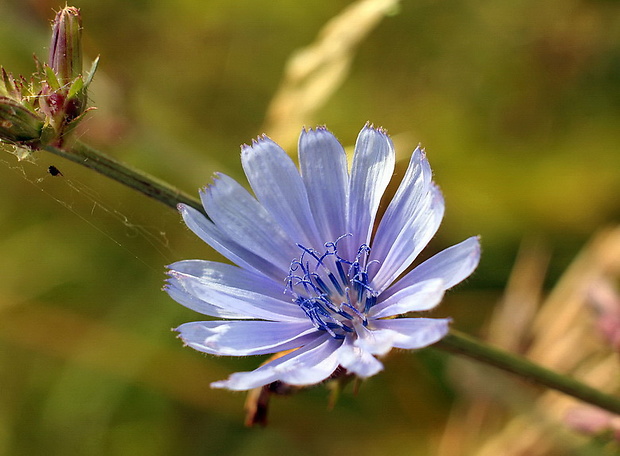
x: 314, y: 73
x: 561, y: 336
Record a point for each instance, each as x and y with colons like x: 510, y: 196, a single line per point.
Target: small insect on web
x: 54, y: 171
x: 87, y: 204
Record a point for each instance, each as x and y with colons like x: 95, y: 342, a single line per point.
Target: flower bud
x: 49, y: 105
x: 63, y: 95
x: 66, y: 48
x: 18, y: 125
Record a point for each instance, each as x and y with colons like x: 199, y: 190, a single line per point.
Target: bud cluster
x: 45, y: 108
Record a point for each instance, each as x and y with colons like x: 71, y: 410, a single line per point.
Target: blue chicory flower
x: 312, y: 275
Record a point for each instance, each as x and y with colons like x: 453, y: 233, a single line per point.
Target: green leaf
x: 51, y: 78
x: 91, y: 72
x: 76, y: 87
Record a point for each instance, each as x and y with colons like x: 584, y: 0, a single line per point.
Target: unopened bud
x: 48, y: 106
x: 18, y: 125
x: 66, y: 45
x: 63, y: 97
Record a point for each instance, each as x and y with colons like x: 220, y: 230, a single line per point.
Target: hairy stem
x: 462, y: 344
x: 161, y: 191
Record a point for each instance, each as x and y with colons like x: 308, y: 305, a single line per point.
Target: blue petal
x: 411, y: 239
x: 176, y: 292
x: 307, y: 365
x: 212, y: 235
x: 410, y: 333
x: 323, y: 164
x: 407, y: 203
x: 238, y: 214
x: 358, y: 361
x: 234, y: 289
x: 374, y: 342
x: 243, y: 338
x: 451, y: 265
x: 373, y: 165
x: 415, y: 298
x: 280, y: 189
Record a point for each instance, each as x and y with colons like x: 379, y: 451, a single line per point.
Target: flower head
x: 316, y: 273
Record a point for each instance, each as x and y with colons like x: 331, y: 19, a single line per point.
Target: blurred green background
x: 517, y: 104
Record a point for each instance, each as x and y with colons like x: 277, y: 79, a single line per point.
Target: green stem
x: 462, y: 344
x: 161, y: 191
x: 454, y: 342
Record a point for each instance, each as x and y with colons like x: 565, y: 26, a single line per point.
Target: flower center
x: 333, y: 292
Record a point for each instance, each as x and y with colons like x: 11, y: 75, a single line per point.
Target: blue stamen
x: 321, y: 285
x: 355, y: 311
x: 347, y: 328
x: 335, y: 282
x: 359, y: 288
x: 346, y: 295
x: 341, y: 273
x: 371, y: 300
x: 327, y: 302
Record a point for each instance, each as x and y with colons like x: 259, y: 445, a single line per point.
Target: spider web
x: 86, y: 203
